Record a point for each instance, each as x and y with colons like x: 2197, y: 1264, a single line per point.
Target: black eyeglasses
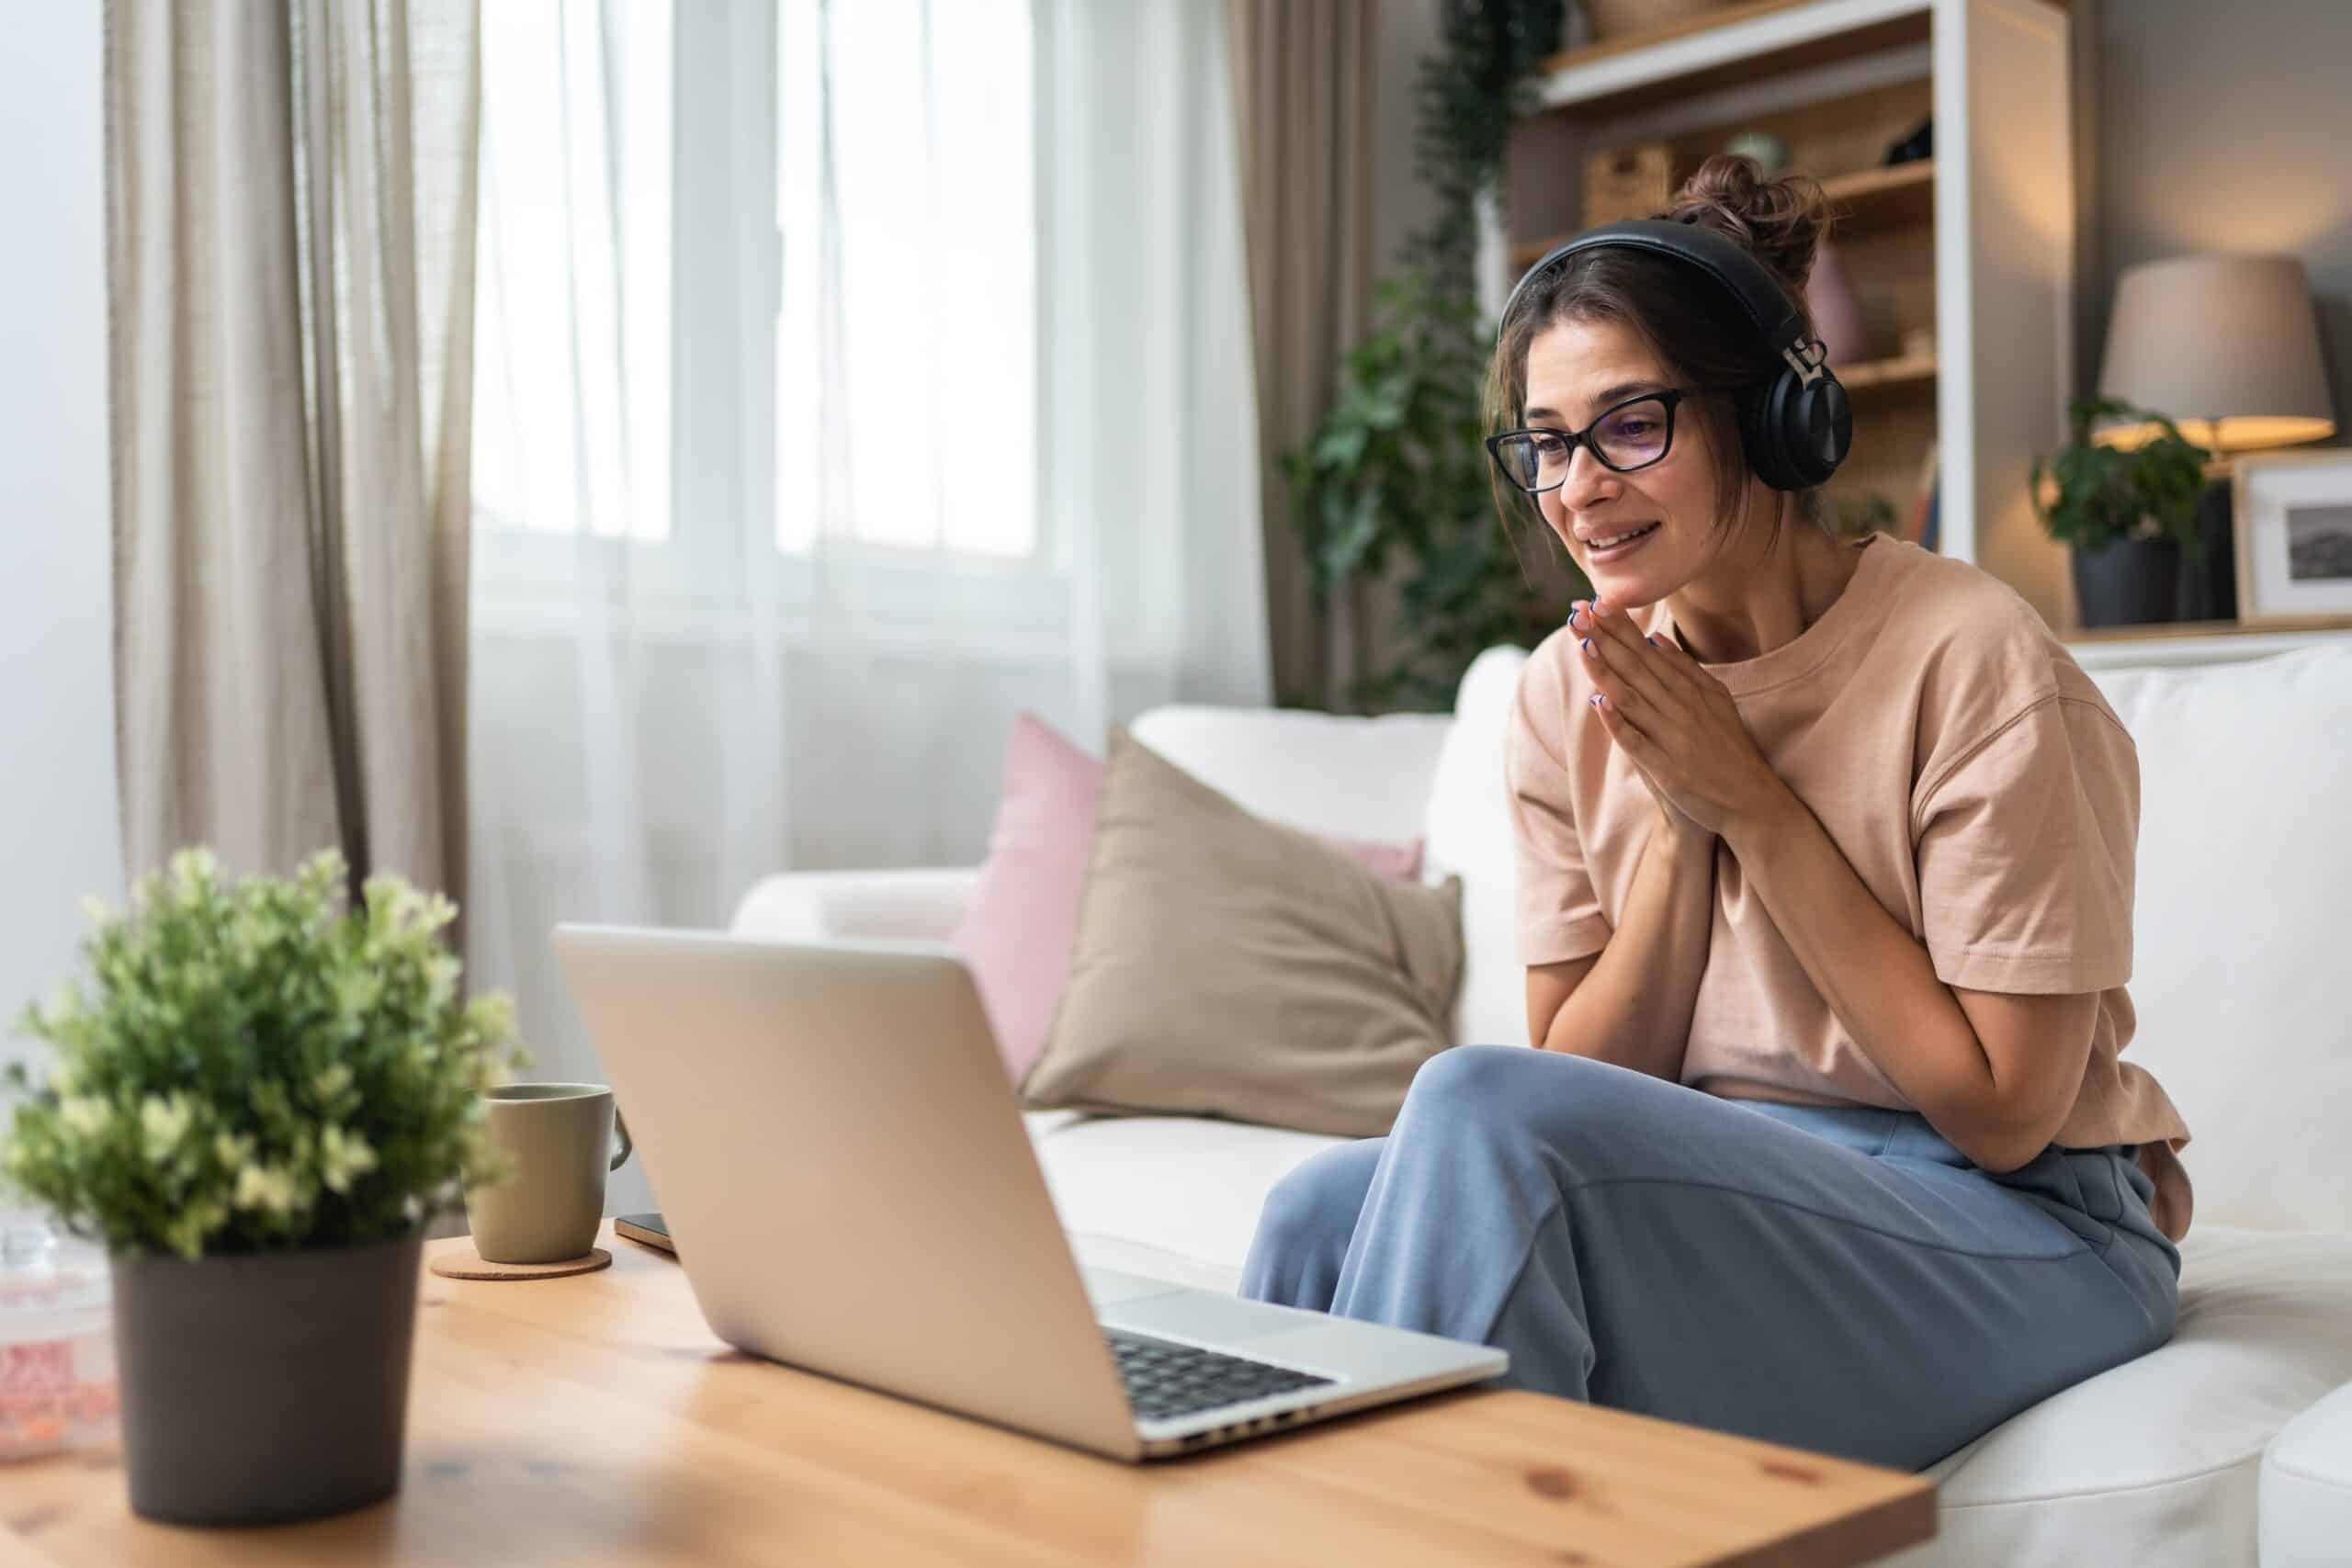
x: 1630, y: 435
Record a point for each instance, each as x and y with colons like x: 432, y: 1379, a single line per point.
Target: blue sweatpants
x: 1838, y: 1278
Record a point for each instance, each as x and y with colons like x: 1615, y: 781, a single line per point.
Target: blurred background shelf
x: 1888, y: 372
x: 1728, y: 48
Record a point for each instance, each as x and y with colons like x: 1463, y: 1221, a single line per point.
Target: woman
x: 1824, y: 894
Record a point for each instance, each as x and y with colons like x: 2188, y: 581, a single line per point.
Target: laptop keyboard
x: 1165, y: 1379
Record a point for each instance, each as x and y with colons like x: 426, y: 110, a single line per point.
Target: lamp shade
x: 2227, y: 345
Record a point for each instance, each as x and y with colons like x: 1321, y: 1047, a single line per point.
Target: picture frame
x: 2292, y: 516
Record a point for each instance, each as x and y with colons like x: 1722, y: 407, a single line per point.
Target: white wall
x: 58, y: 837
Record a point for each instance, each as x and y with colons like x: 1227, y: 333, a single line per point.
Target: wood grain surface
x: 595, y: 1420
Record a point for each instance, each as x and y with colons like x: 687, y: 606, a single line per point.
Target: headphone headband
x: 1734, y: 269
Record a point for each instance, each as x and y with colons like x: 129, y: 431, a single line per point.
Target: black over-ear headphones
x: 1795, y: 427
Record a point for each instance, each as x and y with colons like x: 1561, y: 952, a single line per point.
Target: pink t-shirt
x: 1970, y: 774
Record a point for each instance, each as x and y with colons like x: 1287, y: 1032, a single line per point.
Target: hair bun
x: 1781, y: 219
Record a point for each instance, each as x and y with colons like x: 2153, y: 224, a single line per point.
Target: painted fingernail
x: 1652, y: 641
x: 1594, y: 699
x: 1587, y: 644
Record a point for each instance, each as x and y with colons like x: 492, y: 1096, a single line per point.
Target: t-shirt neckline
x: 1801, y: 654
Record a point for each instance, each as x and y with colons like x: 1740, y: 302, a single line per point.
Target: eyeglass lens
x: 1628, y: 438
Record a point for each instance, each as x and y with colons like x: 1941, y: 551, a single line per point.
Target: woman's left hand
x: 1675, y: 722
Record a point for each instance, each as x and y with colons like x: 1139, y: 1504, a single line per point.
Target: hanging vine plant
x: 1396, y: 469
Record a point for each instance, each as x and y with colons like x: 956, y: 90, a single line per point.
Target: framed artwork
x: 2292, y: 517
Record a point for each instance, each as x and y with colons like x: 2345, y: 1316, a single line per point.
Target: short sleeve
x: 1559, y: 915
x: 2025, y: 852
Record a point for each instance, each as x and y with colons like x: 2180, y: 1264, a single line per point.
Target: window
x: 901, y: 305
x: 906, y: 343
x: 572, y: 357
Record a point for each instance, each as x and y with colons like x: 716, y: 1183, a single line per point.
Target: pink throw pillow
x: 1021, y: 920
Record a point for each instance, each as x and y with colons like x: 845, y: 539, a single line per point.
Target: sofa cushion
x: 2156, y: 1461
x: 1467, y: 833
x: 1230, y: 966
x: 2306, y: 1494
x: 1171, y: 1197
x: 2238, y: 975
x: 1017, y: 930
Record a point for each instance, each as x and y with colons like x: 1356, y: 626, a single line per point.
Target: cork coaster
x: 469, y: 1265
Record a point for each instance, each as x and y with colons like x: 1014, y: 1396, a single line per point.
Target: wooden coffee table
x: 595, y: 1420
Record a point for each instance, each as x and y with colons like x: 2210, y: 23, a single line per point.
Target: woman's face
x: 1637, y: 537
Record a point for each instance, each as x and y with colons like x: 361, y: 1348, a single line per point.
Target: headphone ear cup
x: 1804, y: 430
x: 1823, y: 430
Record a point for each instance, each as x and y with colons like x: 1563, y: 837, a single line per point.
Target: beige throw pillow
x: 1229, y: 966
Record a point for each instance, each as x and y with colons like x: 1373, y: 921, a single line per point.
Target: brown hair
x: 1705, y: 339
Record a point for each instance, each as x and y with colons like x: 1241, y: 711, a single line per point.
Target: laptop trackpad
x: 1202, y: 1315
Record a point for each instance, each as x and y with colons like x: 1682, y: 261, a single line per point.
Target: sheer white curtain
x: 851, y: 376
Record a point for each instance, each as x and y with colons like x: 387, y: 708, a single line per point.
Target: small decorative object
x: 258, y: 1098
x: 1920, y: 144
x: 1614, y: 19
x: 1837, y: 315
x: 1771, y: 151
x: 2294, y: 538
x: 2127, y: 513
x: 57, y: 1388
x: 1627, y: 182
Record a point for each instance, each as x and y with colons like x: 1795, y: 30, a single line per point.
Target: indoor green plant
x: 2128, y: 513
x: 1395, y: 476
x: 258, y: 1096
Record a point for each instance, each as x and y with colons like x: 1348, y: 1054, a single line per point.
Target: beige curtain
x: 1301, y: 92
x: 290, y: 210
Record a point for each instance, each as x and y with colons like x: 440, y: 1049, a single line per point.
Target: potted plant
x: 2126, y: 511
x: 258, y: 1100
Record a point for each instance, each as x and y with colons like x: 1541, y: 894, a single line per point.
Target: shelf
x: 1866, y: 373
x: 1727, y: 48
x: 1873, y: 198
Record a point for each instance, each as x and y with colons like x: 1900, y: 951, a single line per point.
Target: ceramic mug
x: 557, y: 1137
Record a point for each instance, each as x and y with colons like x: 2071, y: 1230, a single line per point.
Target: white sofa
x: 2234, y: 1438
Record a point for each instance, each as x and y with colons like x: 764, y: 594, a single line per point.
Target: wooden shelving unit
x: 1870, y: 198
x: 1729, y: 48
x: 1981, y: 267
x: 1874, y: 373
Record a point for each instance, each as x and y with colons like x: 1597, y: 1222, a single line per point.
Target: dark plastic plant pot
x: 264, y: 1388
x: 2130, y: 582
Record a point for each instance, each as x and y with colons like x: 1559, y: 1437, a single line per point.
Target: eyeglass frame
x: 1671, y: 397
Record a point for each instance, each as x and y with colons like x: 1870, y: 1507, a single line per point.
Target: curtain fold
x: 290, y: 210
x: 1301, y: 89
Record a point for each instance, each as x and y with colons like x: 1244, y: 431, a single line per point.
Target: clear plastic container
x: 57, y: 1376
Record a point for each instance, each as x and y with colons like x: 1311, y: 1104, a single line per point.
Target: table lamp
x: 2228, y: 346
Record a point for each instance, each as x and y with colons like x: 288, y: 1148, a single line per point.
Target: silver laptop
x: 842, y: 1166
